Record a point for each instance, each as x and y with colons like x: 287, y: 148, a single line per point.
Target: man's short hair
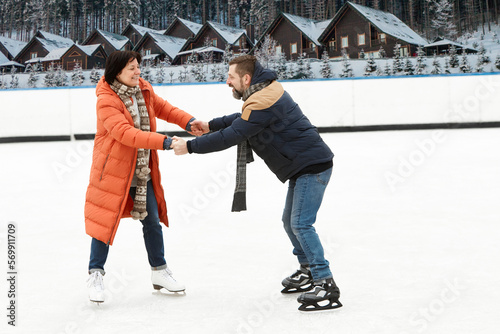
x: 244, y: 64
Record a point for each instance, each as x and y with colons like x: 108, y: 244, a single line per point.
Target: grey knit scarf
x: 141, y: 121
x: 244, y: 155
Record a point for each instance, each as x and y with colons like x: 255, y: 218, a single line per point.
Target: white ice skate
x: 163, y: 279
x: 95, y: 285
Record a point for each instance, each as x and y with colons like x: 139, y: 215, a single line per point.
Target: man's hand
x: 179, y: 146
x: 199, y: 127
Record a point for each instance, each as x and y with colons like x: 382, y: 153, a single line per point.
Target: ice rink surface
x: 410, y: 224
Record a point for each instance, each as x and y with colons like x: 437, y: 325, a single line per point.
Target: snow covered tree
x: 266, y: 53
x: 160, y: 72
x: 346, y: 66
x: 497, y: 62
x: 281, y: 67
x: 197, y: 68
x: 387, y: 69
x: 408, y: 67
x: 479, y: 65
x: 382, y: 52
x: 447, y: 66
x: 483, y: 59
x: 77, y: 77
x: 95, y: 76
x: 49, y: 80
x: 228, y: 55
x: 371, y: 66
x: 146, y: 72
x: 60, y: 77
x: 442, y: 19
x: 326, y: 69
x: 420, y: 64
x: 464, y: 64
x: 219, y: 72
x: 207, y: 56
x: 436, y: 66
x: 362, y: 54
x: 453, y: 57
x: 397, y: 63
x: 303, y: 70
x: 14, y: 82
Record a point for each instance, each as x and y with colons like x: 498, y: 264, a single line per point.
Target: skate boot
x: 163, y: 279
x: 95, y: 285
x: 300, y: 281
x: 325, y: 296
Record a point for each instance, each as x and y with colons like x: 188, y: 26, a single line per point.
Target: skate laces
x: 95, y: 280
x: 168, y: 274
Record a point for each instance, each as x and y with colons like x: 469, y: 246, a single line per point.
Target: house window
x: 214, y: 42
x: 33, y: 55
x: 331, y: 45
x: 403, y: 52
x: 278, y: 50
x: 312, y: 46
x: 147, y: 52
x: 293, y: 48
x: 345, y: 42
x: 361, y: 39
x: 382, y: 38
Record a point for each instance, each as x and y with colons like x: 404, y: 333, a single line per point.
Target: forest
x: 76, y: 19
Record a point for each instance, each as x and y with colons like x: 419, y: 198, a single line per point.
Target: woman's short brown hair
x: 244, y: 64
x: 117, y: 61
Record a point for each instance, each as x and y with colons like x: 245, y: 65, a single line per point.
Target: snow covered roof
x: 55, y: 54
x: 388, y: 23
x: 143, y: 30
x: 194, y: 27
x: 89, y: 49
x: 447, y: 42
x: 51, y: 45
x: 117, y: 41
x: 55, y: 40
x: 311, y: 28
x: 34, y: 60
x: 230, y: 34
x: 3, y: 58
x: 10, y: 63
x: 169, y: 44
x: 13, y: 46
x: 201, y: 50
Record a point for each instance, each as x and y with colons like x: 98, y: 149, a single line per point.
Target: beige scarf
x: 141, y: 121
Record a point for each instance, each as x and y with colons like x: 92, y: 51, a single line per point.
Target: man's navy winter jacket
x: 275, y: 127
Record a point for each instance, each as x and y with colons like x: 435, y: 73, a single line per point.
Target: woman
x: 124, y: 177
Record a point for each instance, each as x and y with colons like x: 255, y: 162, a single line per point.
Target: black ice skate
x: 300, y: 281
x: 325, y: 296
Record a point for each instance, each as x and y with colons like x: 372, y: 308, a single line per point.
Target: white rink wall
x: 328, y: 103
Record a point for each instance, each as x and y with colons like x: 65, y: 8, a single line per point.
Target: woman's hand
x: 199, y: 128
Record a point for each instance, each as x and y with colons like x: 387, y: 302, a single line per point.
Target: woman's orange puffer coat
x: 114, y: 159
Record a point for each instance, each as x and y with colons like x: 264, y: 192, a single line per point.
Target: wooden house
x: 214, y: 37
x: 159, y: 47
x: 88, y: 56
x: 40, y: 46
x: 109, y: 41
x: 442, y: 46
x: 10, y: 47
x: 135, y: 32
x: 295, y: 35
x: 355, y: 28
x: 182, y: 28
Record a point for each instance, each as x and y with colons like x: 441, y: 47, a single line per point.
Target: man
x: 273, y: 126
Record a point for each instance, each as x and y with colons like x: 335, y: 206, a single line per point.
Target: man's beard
x: 237, y: 95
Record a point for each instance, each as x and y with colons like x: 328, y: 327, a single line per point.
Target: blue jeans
x: 303, y: 200
x: 151, y: 229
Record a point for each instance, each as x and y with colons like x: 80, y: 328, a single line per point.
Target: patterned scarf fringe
x: 141, y: 121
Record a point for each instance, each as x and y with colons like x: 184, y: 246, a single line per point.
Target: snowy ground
x: 410, y: 224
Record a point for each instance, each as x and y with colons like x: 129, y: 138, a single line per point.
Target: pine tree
x: 197, y: 68
x: 95, y: 76
x: 482, y: 57
x: 14, y: 82
x: 443, y: 21
x: 49, y: 80
x: 326, y: 69
x: 382, y: 52
x: 397, y: 64
x: 446, y: 66
x: 146, y: 72
x: 420, y: 64
x: 219, y: 72
x: 464, y: 64
x: 228, y: 55
x: 303, y: 70
x: 60, y: 77
x: 453, y: 57
x: 387, y: 69
x: 160, y: 72
x: 408, y: 67
x: 497, y: 62
x: 77, y: 77
x: 362, y: 54
x: 346, y: 66
x: 371, y: 66
x: 266, y: 53
x: 436, y: 66
x: 281, y: 67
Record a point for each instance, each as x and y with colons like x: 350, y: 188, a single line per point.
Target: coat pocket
x: 105, y: 162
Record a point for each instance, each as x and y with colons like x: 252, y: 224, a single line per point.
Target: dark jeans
x: 153, y: 237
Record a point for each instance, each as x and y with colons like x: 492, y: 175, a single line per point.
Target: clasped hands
x: 198, y: 128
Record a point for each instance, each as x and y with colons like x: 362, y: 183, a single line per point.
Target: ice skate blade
x: 314, y: 307
x: 159, y: 287
x: 97, y: 302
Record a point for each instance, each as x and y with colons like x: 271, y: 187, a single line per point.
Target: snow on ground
x: 410, y: 224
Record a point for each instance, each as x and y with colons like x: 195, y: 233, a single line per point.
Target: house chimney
x: 250, y: 28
